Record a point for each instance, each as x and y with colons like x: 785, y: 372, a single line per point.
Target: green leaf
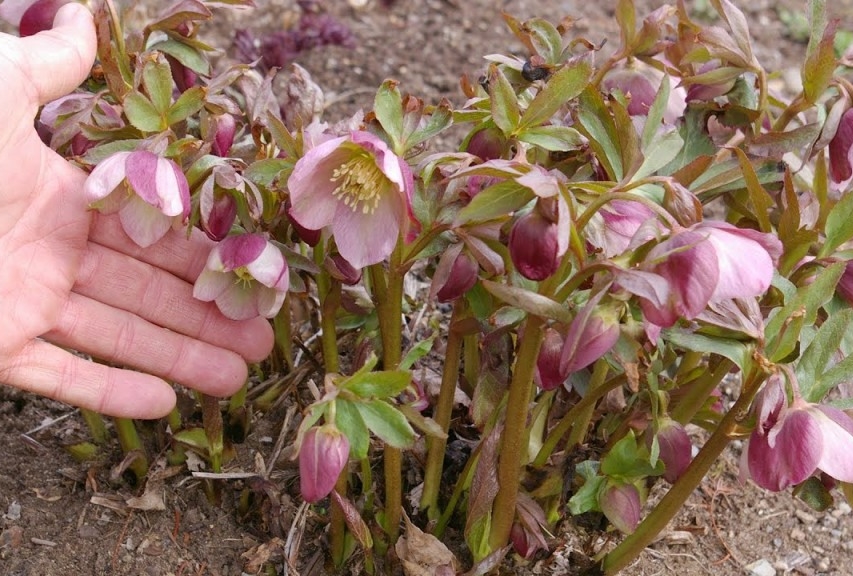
x: 761, y: 200
x: 597, y: 124
x: 660, y: 152
x: 157, y: 79
x: 501, y: 199
x: 530, y: 302
x: 565, y: 84
x: 282, y: 136
x: 545, y: 38
x: 187, y: 104
x: 626, y: 17
x: 388, y: 107
x: 416, y: 352
x: 737, y: 352
x: 814, y: 494
x: 267, y: 171
x: 839, y: 225
x: 626, y: 461
x: 696, y: 140
x: 586, y: 498
x: 815, y: 359
x: 552, y: 138
x: 186, y: 55
x: 351, y: 424
x: 738, y: 24
x: 440, y: 120
x: 384, y: 384
x: 505, y: 111
x: 387, y: 423
x: 820, y: 61
x: 142, y: 114
x: 426, y: 425
x: 806, y: 303
x: 656, y: 112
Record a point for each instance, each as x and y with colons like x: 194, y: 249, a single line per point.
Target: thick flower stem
x: 471, y: 368
x: 443, y: 410
x: 512, y: 439
x: 582, y: 420
x: 388, y: 297
x: 95, y: 424
x: 633, y: 545
x: 128, y: 438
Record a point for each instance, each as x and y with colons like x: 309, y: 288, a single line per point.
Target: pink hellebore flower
x: 620, y: 224
x: 708, y: 262
x: 359, y: 188
x: 790, y: 443
x: 246, y: 275
x: 537, y: 241
x: 150, y: 194
x: 322, y: 457
x: 676, y: 450
x: 621, y: 504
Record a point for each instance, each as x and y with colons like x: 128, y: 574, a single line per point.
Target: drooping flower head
x: 322, y: 456
x: 149, y: 192
x: 360, y: 189
x: 841, y: 153
x: 246, y: 275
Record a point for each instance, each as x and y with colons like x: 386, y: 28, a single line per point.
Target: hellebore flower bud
x: 310, y: 237
x: 841, y: 153
x: 185, y: 78
x: 845, y: 284
x: 621, y: 504
x: 322, y: 457
x: 548, y: 373
x: 224, y: 126
x: 676, y: 449
x: 640, y: 83
x: 341, y: 270
x: 534, y: 246
x: 31, y: 17
x: 488, y: 143
x: 456, y: 273
x: 218, y: 212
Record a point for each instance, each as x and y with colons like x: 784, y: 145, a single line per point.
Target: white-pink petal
x: 105, y: 177
x: 143, y: 223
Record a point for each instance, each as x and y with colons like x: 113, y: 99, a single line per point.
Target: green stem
x: 95, y: 424
x: 177, y: 454
x: 471, y: 367
x: 566, y: 423
x: 635, y: 543
x: 443, y: 410
x: 389, y: 304
x: 698, y: 392
x: 581, y: 421
x: 128, y: 438
x: 337, y: 527
x: 512, y: 451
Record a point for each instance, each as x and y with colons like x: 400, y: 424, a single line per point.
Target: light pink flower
x: 246, y: 275
x: 322, y: 457
x: 790, y: 443
x: 708, y: 262
x: 620, y: 224
x: 360, y: 189
x: 150, y: 194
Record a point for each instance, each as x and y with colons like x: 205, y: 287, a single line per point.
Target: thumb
x: 58, y: 60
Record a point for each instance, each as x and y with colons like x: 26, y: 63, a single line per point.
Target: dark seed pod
x: 532, y: 73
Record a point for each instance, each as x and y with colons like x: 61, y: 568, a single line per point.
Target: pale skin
x: 71, y: 279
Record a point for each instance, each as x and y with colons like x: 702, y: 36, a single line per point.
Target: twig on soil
x: 41, y: 542
x: 114, y: 559
x: 224, y: 475
x: 279, y: 443
x: 26, y: 435
x: 294, y: 540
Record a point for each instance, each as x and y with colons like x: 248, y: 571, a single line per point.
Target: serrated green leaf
x: 530, y: 302
x: 626, y: 461
x: 440, y: 120
x: 142, y: 114
x: 388, y: 107
x: 586, y: 498
x: 839, y: 225
x: 190, y: 57
x: 187, y: 104
x: 552, y: 138
x: 737, y: 352
x: 384, y: 384
x: 564, y: 85
x: 596, y: 122
x: 815, y: 359
x: 267, y: 171
x: 157, y: 80
x: 349, y: 421
x: 500, y: 199
x: 660, y: 152
x: 416, y: 352
x: 696, y: 140
x: 545, y: 38
x: 505, y: 111
x: 387, y: 423
x: 760, y: 199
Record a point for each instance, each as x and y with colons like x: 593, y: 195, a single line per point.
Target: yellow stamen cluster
x: 360, y: 183
x: 243, y: 276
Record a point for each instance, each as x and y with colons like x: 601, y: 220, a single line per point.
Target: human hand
x: 72, y: 278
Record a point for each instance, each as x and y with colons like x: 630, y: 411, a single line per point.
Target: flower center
x: 244, y: 277
x: 359, y: 183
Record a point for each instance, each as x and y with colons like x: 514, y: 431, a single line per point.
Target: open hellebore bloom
x: 790, y: 443
x: 31, y: 16
x: 150, y: 194
x: 360, y: 189
x: 708, y: 262
x: 322, y: 457
x: 640, y: 83
x: 841, y: 153
x: 246, y: 275
x: 621, y: 223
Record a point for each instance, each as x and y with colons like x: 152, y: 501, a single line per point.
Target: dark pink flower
x: 246, y: 275
x: 31, y: 16
x: 322, y: 457
x: 621, y: 504
x: 790, y: 443
x: 640, y: 83
x: 676, y: 450
x: 150, y: 193
x: 841, y: 153
x: 456, y: 273
x: 537, y: 242
x: 845, y: 284
x: 548, y: 375
x: 223, y: 127
x: 360, y: 189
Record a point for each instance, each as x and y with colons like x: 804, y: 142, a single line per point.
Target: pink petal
x: 142, y: 175
x: 689, y: 264
x: 12, y: 10
x: 238, y: 302
x: 211, y: 283
x: 269, y: 301
x: 105, y: 177
x: 365, y: 239
x: 173, y: 189
x: 386, y: 160
x: 793, y: 457
x: 311, y: 186
x: 143, y: 223
x: 837, y: 430
x: 745, y: 267
x: 621, y: 504
x: 240, y: 250
x: 40, y: 16
x: 270, y: 268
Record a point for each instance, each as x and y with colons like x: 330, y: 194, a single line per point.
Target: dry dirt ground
x: 60, y: 517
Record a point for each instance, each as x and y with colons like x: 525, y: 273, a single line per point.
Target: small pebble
x: 761, y: 568
x: 798, y: 535
x: 777, y: 542
x: 842, y: 509
x: 818, y: 550
x: 836, y: 534
x: 13, y: 512
x: 823, y: 565
x: 88, y: 532
x: 805, y: 517
x: 781, y: 566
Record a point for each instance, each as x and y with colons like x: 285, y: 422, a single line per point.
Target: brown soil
x: 61, y: 517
